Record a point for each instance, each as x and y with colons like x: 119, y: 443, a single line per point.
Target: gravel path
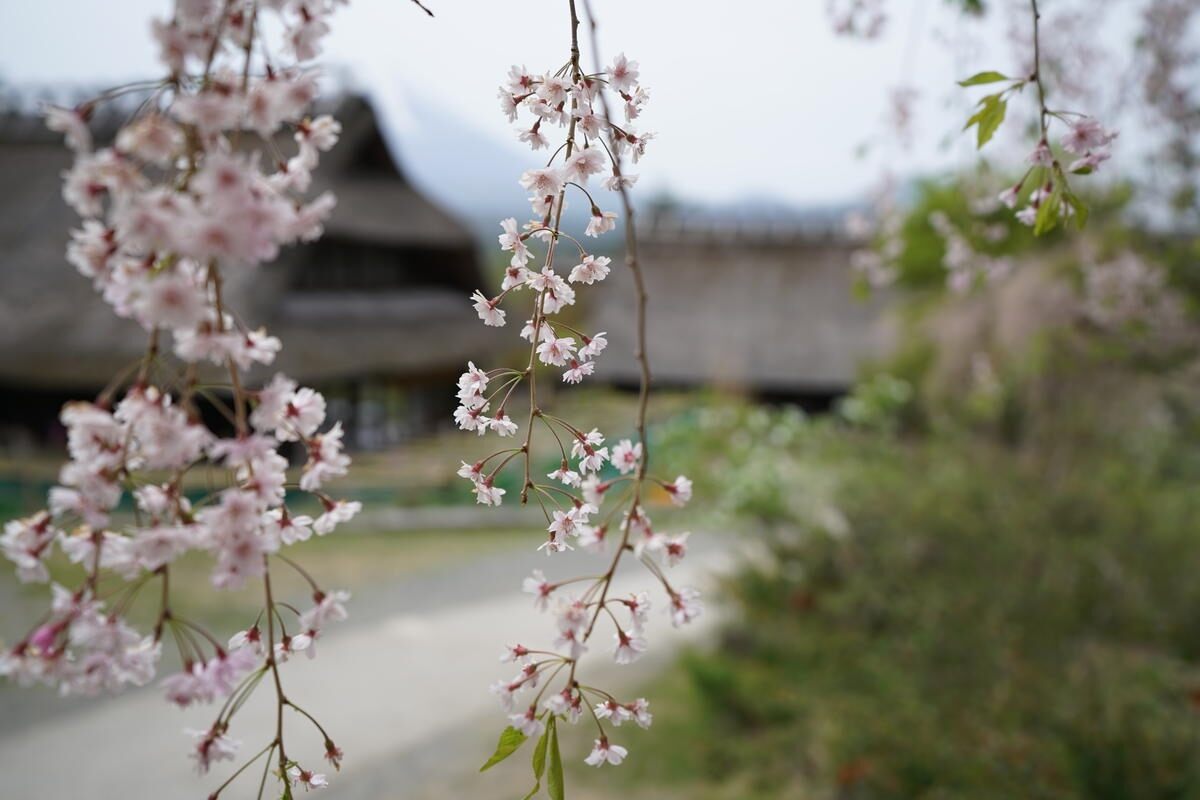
x: 404, y: 694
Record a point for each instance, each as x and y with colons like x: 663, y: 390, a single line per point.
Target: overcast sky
x: 749, y: 97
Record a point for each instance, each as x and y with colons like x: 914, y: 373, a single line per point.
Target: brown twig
x: 640, y: 353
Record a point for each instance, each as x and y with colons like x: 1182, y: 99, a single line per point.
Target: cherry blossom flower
x: 334, y: 754
x: 487, y: 310
x: 290, y: 645
x: 680, y: 491
x: 1090, y: 162
x: 626, y: 455
x: 336, y: 513
x: 556, y: 351
x: 307, y: 778
x: 24, y: 543
x: 685, y: 606
x: 594, y: 345
x: 325, y: 459
x: 329, y: 608
x: 675, y: 548
x: 211, y: 746
x: 505, y: 692
x: 640, y: 709
x: 515, y: 653
x: 616, y: 183
x: 590, y: 269
x: 486, y: 493
x: 250, y: 638
x: 566, y: 475
x: 622, y: 73
x: 584, y: 163
x: 1009, y: 197
x: 565, y: 704
x: 543, y: 182
x: 72, y: 124
x: 287, y: 529
x: 502, y: 424
x: 629, y: 648
x: 1085, y: 135
x: 189, y: 686
x: 511, y: 240
x: 554, y: 544
x: 527, y: 722
x: 639, y: 610
x: 605, y: 753
x: 1041, y: 156
x: 613, y: 711
x: 600, y: 222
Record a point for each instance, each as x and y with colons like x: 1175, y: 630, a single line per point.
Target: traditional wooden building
x: 375, y: 314
x: 767, y: 309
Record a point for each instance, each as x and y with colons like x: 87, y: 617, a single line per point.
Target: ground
x: 402, y: 685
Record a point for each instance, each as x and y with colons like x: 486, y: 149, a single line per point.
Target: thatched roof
x: 766, y: 308
x: 55, y: 332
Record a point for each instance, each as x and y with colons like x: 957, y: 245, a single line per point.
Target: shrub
x: 948, y: 617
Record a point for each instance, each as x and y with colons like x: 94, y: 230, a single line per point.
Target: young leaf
x: 539, y: 752
x: 539, y: 759
x: 1080, y: 208
x: 980, y: 78
x: 988, y: 118
x: 510, y: 740
x: 1048, y: 212
x: 554, y: 779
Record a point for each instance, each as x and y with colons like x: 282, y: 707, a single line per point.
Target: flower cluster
x: 176, y: 198
x: 1043, y: 191
x: 965, y: 265
x: 595, y: 497
x: 1051, y: 198
x: 1129, y: 294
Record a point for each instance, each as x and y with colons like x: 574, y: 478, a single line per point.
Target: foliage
x: 952, y: 617
x: 877, y: 403
x: 964, y: 201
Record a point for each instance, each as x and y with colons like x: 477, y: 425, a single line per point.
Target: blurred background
x: 946, y: 473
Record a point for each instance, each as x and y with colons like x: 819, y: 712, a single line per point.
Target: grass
x: 421, y: 472
x: 352, y: 561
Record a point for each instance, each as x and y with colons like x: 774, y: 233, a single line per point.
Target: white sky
x: 749, y: 97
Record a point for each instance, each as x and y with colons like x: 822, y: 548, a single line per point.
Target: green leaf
x: 554, y: 779
x: 988, y: 118
x: 980, y: 78
x: 539, y: 759
x: 1048, y: 212
x: 510, y: 740
x: 539, y: 752
x: 1080, y: 208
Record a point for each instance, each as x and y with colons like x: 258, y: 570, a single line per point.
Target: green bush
x: 948, y: 617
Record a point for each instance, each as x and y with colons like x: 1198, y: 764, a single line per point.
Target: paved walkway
x: 405, y: 695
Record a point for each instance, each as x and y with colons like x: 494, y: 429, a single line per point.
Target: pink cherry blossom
x: 605, y: 753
